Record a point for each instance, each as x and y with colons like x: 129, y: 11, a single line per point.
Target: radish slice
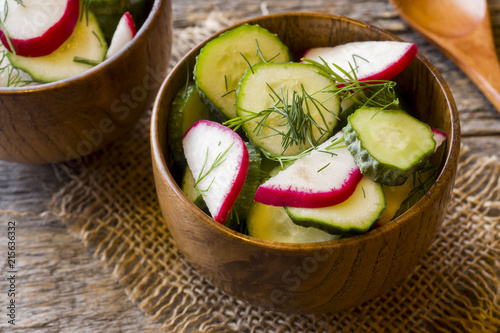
x: 218, y: 159
x: 371, y: 60
x: 38, y: 27
x: 325, y: 177
x: 439, y: 137
x: 124, y: 33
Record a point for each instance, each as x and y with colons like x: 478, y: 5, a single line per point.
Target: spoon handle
x: 474, y: 53
x: 476, y: 56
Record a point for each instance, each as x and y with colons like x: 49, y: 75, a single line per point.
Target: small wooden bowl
x: 65, y: 120
x: 317, y: 277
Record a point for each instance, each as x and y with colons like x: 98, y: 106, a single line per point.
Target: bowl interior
x: 254, y: 269
x: 98, y: 68
x: 422, y: 89
x: 71, y: 118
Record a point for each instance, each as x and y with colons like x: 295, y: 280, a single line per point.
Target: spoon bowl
x: 461, y: 29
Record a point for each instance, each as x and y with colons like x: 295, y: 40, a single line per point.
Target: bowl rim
x: 145, y: 28
x: 450, y: 159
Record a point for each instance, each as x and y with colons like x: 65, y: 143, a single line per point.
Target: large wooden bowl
x: 317, y: 277
x: 65, y: 120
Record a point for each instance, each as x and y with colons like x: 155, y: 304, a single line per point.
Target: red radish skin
x: 224, y: 182
x: 372, y: 60
x: 39, y: 42
x: 124, y: 33
x: 317, y: 180
x: 439, y: 137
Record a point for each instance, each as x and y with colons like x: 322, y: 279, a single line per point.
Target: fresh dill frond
x: 295, y: 122
x: 370, y: 93
x: 227, y: 93
x: 354, y: 56
x: 227, y: 89
x: 261, y: 55
x: 324, y: 167
x: 97, y: 36
x: 86, y: 61
x: 2, y: 25
x: 86, y: 6
x: 219, y: 159
x: 286, y: 159
x: 235, y: 222
x: 248, y: 62
x: 14, y: 75
x: 337, y: 143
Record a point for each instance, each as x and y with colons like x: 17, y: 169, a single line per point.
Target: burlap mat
x: 109, y: 202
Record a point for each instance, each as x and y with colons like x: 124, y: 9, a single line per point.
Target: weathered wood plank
x: 63, y: 288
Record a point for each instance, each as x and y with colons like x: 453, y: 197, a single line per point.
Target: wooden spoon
x: 461, y: 29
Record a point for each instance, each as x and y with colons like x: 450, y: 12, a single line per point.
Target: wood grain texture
x: 28, y: 188
x: 462, y: 30
x: 290, y: 277
x: 65, y: 120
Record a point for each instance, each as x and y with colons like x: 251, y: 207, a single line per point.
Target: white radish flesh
x: 124, y: 33
x: 218, y: 159
x: 37, y: 27
x: 439, y: 137
x: 325, y: 177
x: 371, y: 60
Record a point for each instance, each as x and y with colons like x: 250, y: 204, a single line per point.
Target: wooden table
x: 61, y: 287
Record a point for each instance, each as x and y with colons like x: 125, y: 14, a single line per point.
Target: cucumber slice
x: 86, y: 42
x: 236, y: 219
x: 223, y: 61
x: 388, y: 145
x: 186, y: 109
x: 355, y: 215
x: 280, y: 86
x: 272, y: 223
x: 401, y: 197
x: 187, y: 186
x: 395, y: 195
x: 252, y: 182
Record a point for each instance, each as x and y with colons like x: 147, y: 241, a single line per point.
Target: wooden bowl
x: 64, y: 120
x: 316, y: 277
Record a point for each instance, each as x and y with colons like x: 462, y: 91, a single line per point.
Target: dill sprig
x: 370, y: 93
x: 235, y: 223
x: 296, y: 124
x: 336, y: 144
x: 14, y: 75
x: 2, y: 25
x: 227, y: 89
x: 323, y: 167
x: 86, y: 8
x: 261, y: 55
x: 86, y: 61
x: 258, y: 53
x: 206, y: 170
x: 285, y: 160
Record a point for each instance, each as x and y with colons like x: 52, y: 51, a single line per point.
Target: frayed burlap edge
x: 109, y: 202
